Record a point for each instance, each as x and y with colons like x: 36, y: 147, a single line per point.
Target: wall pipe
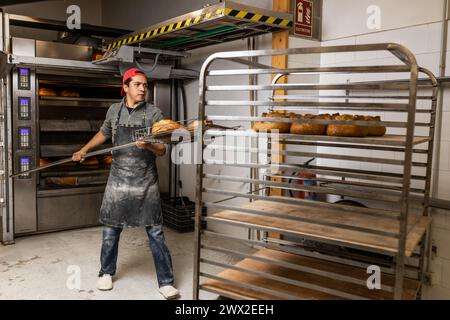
x: 440, y: 98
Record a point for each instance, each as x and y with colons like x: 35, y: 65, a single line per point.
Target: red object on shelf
x: 308, y: 195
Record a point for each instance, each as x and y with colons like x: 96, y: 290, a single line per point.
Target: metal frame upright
x: 388, y: 233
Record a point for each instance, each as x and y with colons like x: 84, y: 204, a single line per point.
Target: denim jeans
x: 160, y: 252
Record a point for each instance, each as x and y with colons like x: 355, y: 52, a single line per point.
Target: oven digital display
x: 25, y: 164
x: 24, y: 79
x: 24, y: 108
x: 24, y: 138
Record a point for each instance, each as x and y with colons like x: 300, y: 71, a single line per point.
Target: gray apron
x: 131, y: 196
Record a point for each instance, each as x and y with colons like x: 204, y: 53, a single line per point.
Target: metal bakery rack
x: 316, y: 249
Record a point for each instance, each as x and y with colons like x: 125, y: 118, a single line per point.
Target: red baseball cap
x: 130, y: 73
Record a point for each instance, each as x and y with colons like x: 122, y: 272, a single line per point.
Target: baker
x: 131, y: 196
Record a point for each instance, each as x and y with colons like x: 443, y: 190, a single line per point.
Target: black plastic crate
x: 179, y: 214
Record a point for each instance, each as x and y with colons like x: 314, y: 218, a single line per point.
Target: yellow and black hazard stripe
x: 257, y: 17
x: 241, y: 14
x: 166, y: 28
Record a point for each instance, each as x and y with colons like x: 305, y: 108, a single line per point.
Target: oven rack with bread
x: 305, y: 229
x: 71, y: 110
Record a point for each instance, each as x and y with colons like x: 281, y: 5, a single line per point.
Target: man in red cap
x: 131, y: 197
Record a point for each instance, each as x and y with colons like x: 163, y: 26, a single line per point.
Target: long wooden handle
x: 98, y: 152
x: 67, y: 160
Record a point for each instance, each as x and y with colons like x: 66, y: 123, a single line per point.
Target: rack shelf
x: 312, y: 248
x: 386, y: 140
x: 355, y: 229
x: 236, y: 284
x: 70, y: 125
x: 45, y: 101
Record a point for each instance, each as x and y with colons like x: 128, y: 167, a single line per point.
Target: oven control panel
x: 25, y: 139
x: 24, y: 110
x: 24, y: 79
x: 24, y: 165
x: 24, y: 127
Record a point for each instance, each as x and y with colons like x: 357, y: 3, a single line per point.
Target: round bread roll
x: 90, y: 162
x: 282, y: 127
x: 70, y: 93
x: 45, y: 92
x: 345, y: 130
x: 63, y: 181
x: 194, y: 124
x: 164, y: 126
x: 43, y: 162
x: 106, y: 160
x: 309, y: 128
x: 376, y: 131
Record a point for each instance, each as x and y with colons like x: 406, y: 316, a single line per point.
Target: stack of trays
x: 179, y: 213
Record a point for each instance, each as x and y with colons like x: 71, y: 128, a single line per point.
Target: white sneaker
x: 105, y: 282
x: 169, y: 292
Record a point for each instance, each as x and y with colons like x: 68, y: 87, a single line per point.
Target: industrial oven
x: 53, y: 115
x: 54, y: 99
x: 55, y: 92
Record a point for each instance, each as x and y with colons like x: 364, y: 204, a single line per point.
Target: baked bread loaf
x: 105, y: 160
x: 90, y: 162
x: 62, y: 181
x: 164, y: 126
x: 282, y: 127
x: 45, y: 92
x: 194, y: 124
x: 70, y: 93
x: 377, y: 131
x: 43, y: 162
x: 309, y: 128
x: 345, y: 130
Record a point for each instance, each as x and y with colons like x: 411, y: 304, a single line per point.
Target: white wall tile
x: 447, y: 58
x: 436, y: 269
x: 429, y: 61
x: 375, y: 37
x: 435, y: 293
x: 446, y: 99
x: 448, y: 35
x: 444, y: 154
x: 414, y: 38
x: 296, y: 42
x: 434, y: 37
x: 329, y: 58
x: 443, y: 189
x: 441, y: 239
x: 394, y: 15
x: 418, y: 171
x: 445, y: 130
x: 441, y: 218
x: 445, y: 280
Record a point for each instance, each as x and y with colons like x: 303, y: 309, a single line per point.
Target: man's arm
x: 97, y: 140
x: 157, y: 148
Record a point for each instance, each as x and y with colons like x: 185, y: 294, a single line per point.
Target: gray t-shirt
x: 145, y: 114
